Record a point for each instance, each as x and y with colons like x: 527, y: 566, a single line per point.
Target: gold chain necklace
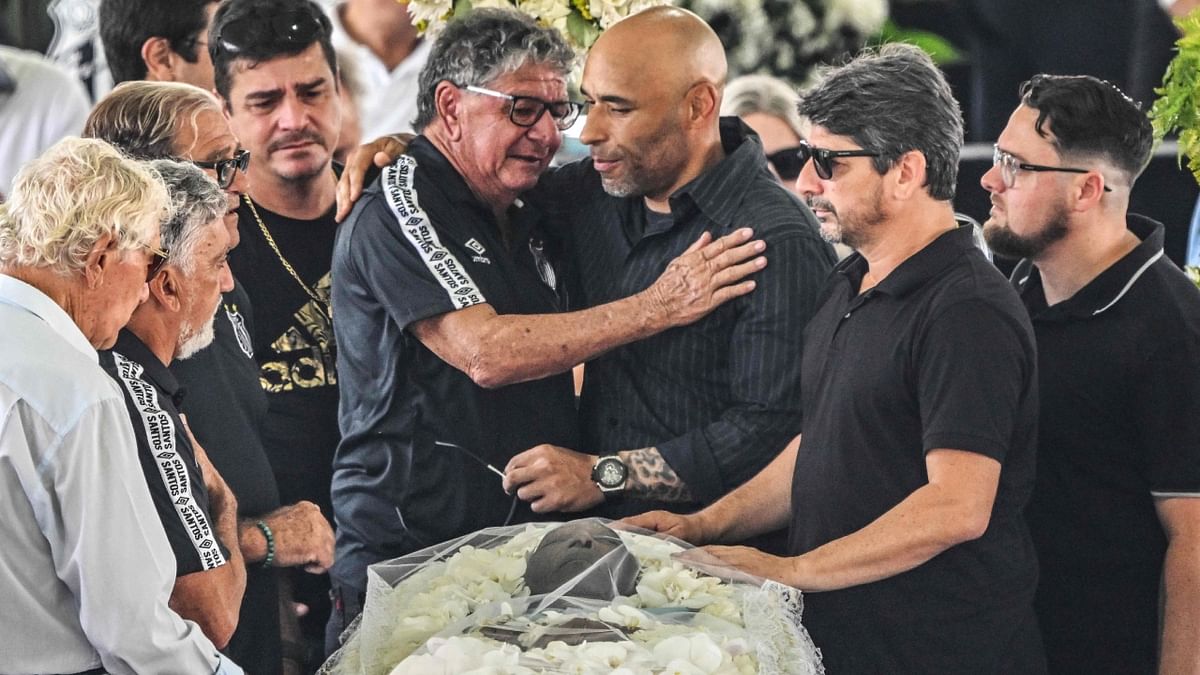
x: 322, y: 306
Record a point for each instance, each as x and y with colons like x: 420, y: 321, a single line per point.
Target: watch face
x: 610, y: 472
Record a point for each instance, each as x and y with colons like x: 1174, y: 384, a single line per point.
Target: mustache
x: 303, y: 135
x: 815, y: 203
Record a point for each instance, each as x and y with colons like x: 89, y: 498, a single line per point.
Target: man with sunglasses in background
x: 449, y: 294
x: 196, y: 507
x: 158, y: 41
x: 905, y: 491
x: 226, y: 404
x: 1115, y: 512
x: 276, y: 73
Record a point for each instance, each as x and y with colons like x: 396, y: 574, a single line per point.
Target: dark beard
x: 858, y: 229
x: 1008, y: 244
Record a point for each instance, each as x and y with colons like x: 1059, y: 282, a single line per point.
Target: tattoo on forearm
x: 650, y: 477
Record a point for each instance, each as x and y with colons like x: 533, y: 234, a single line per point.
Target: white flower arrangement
x: 788, y: 38
x: 580, y: 21
x: 445, y: 609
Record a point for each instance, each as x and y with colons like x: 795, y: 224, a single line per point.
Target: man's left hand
x: 717, y: 559
x: 551, y: 478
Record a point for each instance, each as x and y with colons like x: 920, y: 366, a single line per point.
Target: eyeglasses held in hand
x: 227, y: 168
x: 1009, y: 166
x: 525, y: 111
x: 512, y: 509
x: 823, y: 158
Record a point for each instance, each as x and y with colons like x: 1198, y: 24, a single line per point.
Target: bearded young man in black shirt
x: 276, y: 72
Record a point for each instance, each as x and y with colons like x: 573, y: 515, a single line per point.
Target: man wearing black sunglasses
x: 1115, y: 512
x: 904, y: 493
x: 276, y: 73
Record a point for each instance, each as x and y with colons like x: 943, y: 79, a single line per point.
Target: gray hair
x: 767, y: 95
x: 143, y: 118
x: 78, y: 192
x: 893, y: 101
x: 483, y: 46
x: 197, y: 201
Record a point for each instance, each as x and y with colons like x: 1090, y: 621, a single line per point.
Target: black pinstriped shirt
x: 719, y: 398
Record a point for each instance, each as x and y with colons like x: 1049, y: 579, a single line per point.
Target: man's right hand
x: 303, y: 537
x: 706, y: 275
x: 685, y: 527
x: 378, y: 153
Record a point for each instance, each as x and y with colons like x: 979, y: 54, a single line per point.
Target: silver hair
x: 197, y: 201
x: 767, y: 95
x: 72, y: 196
x: 893, y: 101
x: 144, y: 118
x: 483, y: 46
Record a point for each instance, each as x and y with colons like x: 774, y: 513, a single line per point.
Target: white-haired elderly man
x: 85, y: 570
x: 197, y: 509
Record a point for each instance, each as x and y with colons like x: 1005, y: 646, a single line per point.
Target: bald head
x: 655, y: 82
x: 663, y: 45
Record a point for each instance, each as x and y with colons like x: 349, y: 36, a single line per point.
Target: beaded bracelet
x: 270, y: 537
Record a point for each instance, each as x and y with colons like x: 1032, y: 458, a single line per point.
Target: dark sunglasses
x: 226, y: 168
x: 296, y: 26
x: 823, y: 158
x: 787, y: 163
x: 525, y: 111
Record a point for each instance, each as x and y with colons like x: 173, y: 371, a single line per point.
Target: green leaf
x: 937, y: 47
x: 582, y: 31
x: 1177, y: 109
x: 462, y: 8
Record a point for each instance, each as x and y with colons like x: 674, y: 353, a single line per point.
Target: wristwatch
x: 610, y: 473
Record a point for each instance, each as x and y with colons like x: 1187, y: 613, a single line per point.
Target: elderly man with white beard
x: 196, y: 507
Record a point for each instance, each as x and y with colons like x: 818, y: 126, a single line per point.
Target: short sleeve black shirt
x: 225, y: 408
x: 718, y: 398
x: 420, y: 244
x: 152, y: 397
x: 294, y: 345
x: 940, y: 354
x: 1119, y: 364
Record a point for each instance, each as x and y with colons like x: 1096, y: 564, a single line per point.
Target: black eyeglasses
x: 525, y: 111
x: 297, y: 26
x: 158, y: 258
x: 1009, y: 166
x: 823, y: 158
x: 226, y: 168
x: 787, y: 163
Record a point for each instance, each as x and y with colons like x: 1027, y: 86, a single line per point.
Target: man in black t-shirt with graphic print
x: 277, y: 75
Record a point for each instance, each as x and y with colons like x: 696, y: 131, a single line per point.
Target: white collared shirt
x: 388, y: 103
x: 85, y: 568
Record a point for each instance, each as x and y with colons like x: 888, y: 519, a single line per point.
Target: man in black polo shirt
x: 1115, y: 513
x: 446, y: 295
x: 919, y: 406
x: 196, y: 507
